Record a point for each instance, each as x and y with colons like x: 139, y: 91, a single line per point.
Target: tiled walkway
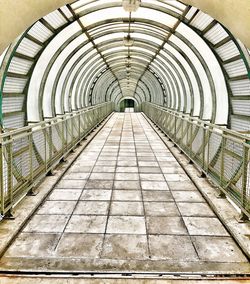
x: 125, y: 205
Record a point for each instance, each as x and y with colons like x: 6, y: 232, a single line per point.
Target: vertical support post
x: 223, y: 144
x: 9, y: 214
x: 243, y: 216
x: 1, y: 179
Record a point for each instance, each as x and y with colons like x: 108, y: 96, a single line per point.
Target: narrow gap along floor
x: 125, y: 205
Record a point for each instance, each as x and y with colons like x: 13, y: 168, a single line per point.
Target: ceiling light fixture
x: 128, y: 41
x: 131, y: 5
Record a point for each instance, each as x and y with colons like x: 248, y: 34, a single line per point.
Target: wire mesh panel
x: 222, y: 154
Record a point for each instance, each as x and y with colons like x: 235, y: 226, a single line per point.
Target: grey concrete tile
x: 187, y: 196
x: 57, y: 207
x: 154, y: 185
x: 161, y: 209
x: 181, y: 186
x: 99, y: 184
x: 218, y: 249
x: 127, y: 154
x: 132, y: 184
x: 174, y: 248
x: 86, y: 224
x: 71, y: 184
x: 80, y: 245
x: 104, y: 169
x: 75, y: 176
x: 204, y: 226
x: 152, y: 177
x: 46, y: 224
x: 33, y: 245
x: 166, y: 225
x: 126, y: 208
x: 101, y: 176
x: 126, y: 176
x: 157, y: 195
x: 126, y: 158
x: 169, y: 164
x: 105, y: 163
x: 150, y: 170
x: 125, y: 247
x: 165, y: 159
x: 126, y: 163
x: 96, y: 194
x: 107, y: 158
x: 195, y: 209
x: 61, y: 194
x: 127, y: 195
x: 92, y: 208
x: 127, y: 169
x: 126, y: 225
x: 148, y: 164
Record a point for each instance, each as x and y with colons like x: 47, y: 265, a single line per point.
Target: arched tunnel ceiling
x: 235, y: 15
x: 75, y: 57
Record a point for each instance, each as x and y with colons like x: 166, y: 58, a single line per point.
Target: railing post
x: 222, y: 166
x: 244, y: 200
x: 1, y: 180
x: 9, y: 214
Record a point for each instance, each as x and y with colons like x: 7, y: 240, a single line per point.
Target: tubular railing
x: 221, y: 154
x: 29, y: 153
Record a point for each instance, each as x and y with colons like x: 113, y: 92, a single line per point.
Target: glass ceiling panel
x: 110, y: 37
x: 92, y: 4
x: 165, y: 5
x: 146, y: 37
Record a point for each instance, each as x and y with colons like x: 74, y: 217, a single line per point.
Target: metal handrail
x: 29, y: 153
x: 220, y: 153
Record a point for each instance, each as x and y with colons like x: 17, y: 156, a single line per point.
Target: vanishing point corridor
x: 125, y: 205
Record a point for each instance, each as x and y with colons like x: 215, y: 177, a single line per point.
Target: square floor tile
x: 105, y: 163
x: 154, y: 185
x: 157, y: 195
x: 127, y: 195
x: 126, y: 225
x: 33, y: 245
x: 205, y: 226
x: 92, y: 208
x: 161, y: 209
x: 47, y: 224
x: 187, y: 196
x: 166, y: 225
x: 80, y: 245
x: 126, y: 208
x: 176, y: 177
x: 71, y: 194
x: 86, y: 224
x: 102, y: 176
x: 195, y: 209
x: 80, y: 169
x: 172, y: 170
x: 154, y: 170
x: 104, y: 169
x: 126, y: 163
x: 96, y: 194
x: 152, y: 177
x: 99, y: 184
x: 126, y: 176
x: 125, y: 247
x: 218, y: 249
x: 75, y: 176
x: 127, y: 169
x: 133, y: 184
x: 57, y: 207
x: 71, y: 184
x: 148, y: 164
x: 175, y: 248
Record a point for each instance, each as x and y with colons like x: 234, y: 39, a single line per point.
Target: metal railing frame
x: 23, y: 167
x: 195, y: 138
